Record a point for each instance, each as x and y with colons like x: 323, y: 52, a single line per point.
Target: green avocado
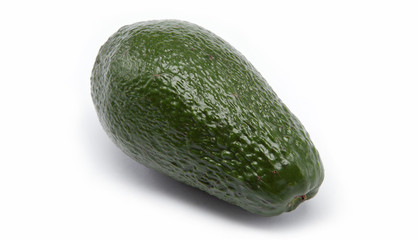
x: 179, y: 99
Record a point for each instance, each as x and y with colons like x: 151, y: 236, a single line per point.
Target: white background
x: 347, y: 69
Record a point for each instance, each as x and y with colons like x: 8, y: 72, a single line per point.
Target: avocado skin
x: 179, y: 99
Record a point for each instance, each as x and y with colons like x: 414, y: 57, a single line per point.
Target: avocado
x: 179, y: 99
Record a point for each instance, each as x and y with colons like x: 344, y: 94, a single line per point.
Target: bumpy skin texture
x: 179, y: 99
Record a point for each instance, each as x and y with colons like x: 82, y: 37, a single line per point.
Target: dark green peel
x: 179, y: 99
